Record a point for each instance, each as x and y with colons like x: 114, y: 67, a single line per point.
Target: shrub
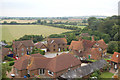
x: 9, y: 58
x: 11, y: 63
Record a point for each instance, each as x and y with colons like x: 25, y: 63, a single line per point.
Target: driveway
x: 51, y: 55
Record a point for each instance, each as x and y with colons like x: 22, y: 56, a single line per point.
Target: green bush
x: 11, y: 63
x: 38, y: 51
x: 9, y: 58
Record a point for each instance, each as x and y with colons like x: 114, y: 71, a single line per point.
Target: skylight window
x: 52, y: 41
x: 116, y: 55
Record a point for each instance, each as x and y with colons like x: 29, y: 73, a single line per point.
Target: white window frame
x: 97, y: 44
x: 100, y: 49
x: 31, y: 47
x: 51, y: 72
x: 16, y: 71
x: 117, y: 55
x: 22, y: 49
x: 22, y: 54
x: 79, y: 51
x: 41, y: 71
x: 28, y: 71
x: 9, y: 52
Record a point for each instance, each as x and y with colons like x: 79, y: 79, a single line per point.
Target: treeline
x: 110, y: 27
x: 35, y: 38
x: 64, y: 27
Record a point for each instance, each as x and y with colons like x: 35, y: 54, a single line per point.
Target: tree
x: 57, y: 36
x: 112, y: 47
x: 13, y: 22
x: 106, y: 37
x: 5, y: 22
x: 91, y: 20
x: 70, y: 37
x: 39, y: 21
x: 5, y: 68
x: 35, y: 51
x: 35, y: 38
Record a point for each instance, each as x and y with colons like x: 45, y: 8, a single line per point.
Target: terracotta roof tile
x: 116, y: 57
x: 102, y: 44
x: 22, y: 62
x: 62, y: 62
x: 25, y: 42
x: 76, y: 45
x: 57, y: 40
x: 39, y: 45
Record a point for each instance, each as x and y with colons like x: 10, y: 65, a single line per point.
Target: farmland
x: 77, y: 26
x: 11, y: 32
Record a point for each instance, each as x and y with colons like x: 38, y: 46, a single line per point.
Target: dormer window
x: 79, y: 51
x: 52, y: 41
x: 100, y: 49
x: 50, y: 73
x: 9, y: 52
x: 68, y: 69
x: 97, y: 44
x: 116, y: 55
x: 22, y: 49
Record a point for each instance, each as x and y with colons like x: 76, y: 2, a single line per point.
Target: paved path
x: 51, y: 55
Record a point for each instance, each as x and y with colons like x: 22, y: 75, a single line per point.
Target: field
x: 77, y: 26
x: 19, y: 21
x: 11, y: 32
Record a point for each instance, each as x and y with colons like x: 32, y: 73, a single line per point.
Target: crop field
x: 11, y: 32
x: 77, y: 26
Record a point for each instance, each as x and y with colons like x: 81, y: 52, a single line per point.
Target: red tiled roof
x: 38, y: 62
x: 76, y: 45
x: 115, y: 58
x: 88, y: 44
x: 5, y: 51
x: 102, y: 44
x: 94, y: 52
x: 39, y: 45
x: 55, y: 64
x: 26, y: 43
x: 57, y: 40
x: 62, y: 62
x: 22, y: 62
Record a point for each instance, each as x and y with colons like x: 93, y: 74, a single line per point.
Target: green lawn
x: 11, y: 32
x: 106, y: 75
x: 109, y: 54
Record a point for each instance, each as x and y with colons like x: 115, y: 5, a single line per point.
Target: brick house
x: 41, y: 46
x: 56, y: 44
x: 115, y: 61
x: 102, y: 46
x: 36, y: 64
x: 93, y: 53
x: 85, y: 48
x: 5, y: 52
x: 21, y: 48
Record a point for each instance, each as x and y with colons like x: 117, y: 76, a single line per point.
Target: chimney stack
x: 93, y: 38
x: 80, y: 39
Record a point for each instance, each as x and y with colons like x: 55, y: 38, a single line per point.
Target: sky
x: 58, y: 8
